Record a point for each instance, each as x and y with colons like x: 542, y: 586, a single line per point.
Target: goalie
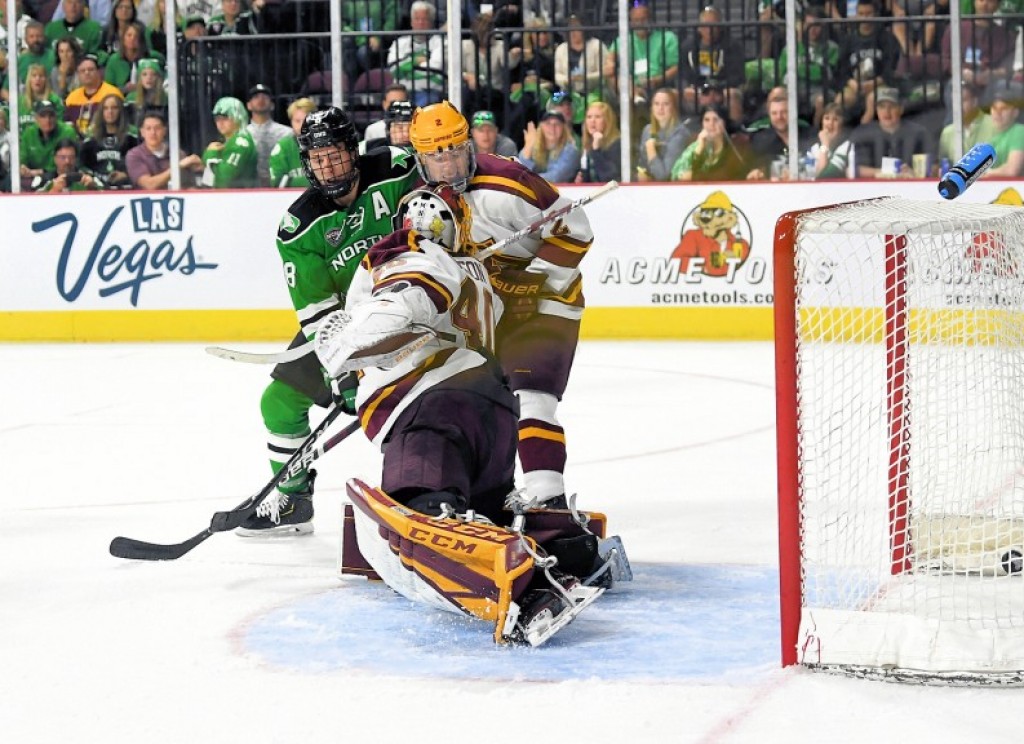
x: 419, y: 328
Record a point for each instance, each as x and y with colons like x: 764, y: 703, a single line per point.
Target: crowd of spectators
x: 540, y: 82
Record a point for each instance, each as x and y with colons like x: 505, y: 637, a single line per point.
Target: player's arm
x: 308, y: 278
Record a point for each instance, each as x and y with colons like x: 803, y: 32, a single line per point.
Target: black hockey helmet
x: 329, y: 128
x: 399, y: 111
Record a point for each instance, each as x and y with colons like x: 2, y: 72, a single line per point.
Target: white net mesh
x: 910, y: 390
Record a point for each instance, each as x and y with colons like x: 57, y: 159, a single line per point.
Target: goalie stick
x: 126, y: 547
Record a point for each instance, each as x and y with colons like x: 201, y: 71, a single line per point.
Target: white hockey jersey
x: 505, y: 197
x: 416, y: 316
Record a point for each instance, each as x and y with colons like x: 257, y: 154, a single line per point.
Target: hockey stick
x: 279, y: 357
x: 126, y: 547
x: 543, y: 219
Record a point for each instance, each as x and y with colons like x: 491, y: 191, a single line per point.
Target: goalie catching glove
x: 378, y: 333
x: 519, y: 291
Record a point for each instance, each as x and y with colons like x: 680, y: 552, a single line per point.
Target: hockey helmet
x: 439, y: 213
x: 328, y: 148
x: 400, y: 113
x: 444, y: 150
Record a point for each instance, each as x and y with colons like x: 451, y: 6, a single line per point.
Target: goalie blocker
x: 460, y: 565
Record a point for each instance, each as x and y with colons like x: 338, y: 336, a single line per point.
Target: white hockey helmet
x: 439, y: 213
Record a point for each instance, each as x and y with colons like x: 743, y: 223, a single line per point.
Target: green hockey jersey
x: 321, y: 244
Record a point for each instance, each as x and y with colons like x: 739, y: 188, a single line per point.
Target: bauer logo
x: 147, y: 243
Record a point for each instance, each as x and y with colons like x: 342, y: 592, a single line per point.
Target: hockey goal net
x: 899, y: 331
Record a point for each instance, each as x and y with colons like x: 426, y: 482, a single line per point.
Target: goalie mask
x: 444, y: 149
x: 328, y: 148
x: 440, y: 214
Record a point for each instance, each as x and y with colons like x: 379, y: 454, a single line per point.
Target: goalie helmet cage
x: 899, y: 341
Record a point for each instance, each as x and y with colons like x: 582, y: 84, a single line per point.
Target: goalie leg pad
x: 457, y: 566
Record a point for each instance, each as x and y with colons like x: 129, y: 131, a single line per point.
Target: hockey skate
x: 545, y: 611
x: 282, y: 514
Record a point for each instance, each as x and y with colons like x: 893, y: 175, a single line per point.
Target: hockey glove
x: 343, y: 390
x: 519, y: 291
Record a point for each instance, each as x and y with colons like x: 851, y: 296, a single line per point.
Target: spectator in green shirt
x: 39, y: 141
x: 74, y: 23
x: 231, y: 162
x: 653, y: 55
x: 1008, y: 138
x: 285, y: 164
x: 37, y: 51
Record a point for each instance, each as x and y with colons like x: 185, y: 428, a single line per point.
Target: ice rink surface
x: 260, y: 641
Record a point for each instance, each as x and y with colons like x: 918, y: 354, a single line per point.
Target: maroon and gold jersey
x: 505, y: 196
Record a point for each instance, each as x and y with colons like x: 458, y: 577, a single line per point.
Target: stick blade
x: 139, y: 550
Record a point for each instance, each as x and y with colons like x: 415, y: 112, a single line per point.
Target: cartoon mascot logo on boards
x: 715, y: 246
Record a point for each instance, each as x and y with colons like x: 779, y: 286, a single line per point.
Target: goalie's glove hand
x: 343, y: 390
x: 519, y: 291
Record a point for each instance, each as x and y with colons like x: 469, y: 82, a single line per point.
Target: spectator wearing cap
x: 398, y: 120
x: 264, y: 130
x: 235, y: 19
x: 193, y: 27
x: 74, y: 23
x: 570, y: 106
x: 231, y: 162
x: 977, y: 126
x: 85, y: 99
x: 39, y: 141
x: 549, y: 150
x: 653, y: 54
x: 149, y: 163
x: 286, y: 169
x: 122, y: 68
x: 1004, y: 106
x: 712, y: 156
x: 889, y: 137
x: 486, y: 137
x: 710, y: 57
x: 149, y: 93
x: 663, y: 139
x: 378, y: 130
x: 579, y: 63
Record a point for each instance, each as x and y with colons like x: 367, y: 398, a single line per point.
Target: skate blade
x: 282, y: 530
x: 542, y: 627
x: 613, y: 552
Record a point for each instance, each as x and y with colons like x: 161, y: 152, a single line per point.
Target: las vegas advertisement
x: 673, y: 260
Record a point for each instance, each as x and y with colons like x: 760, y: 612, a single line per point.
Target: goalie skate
x: 614, y: 565
x: 544, y: 612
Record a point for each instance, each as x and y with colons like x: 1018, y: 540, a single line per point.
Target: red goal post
x: 899, y: 336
